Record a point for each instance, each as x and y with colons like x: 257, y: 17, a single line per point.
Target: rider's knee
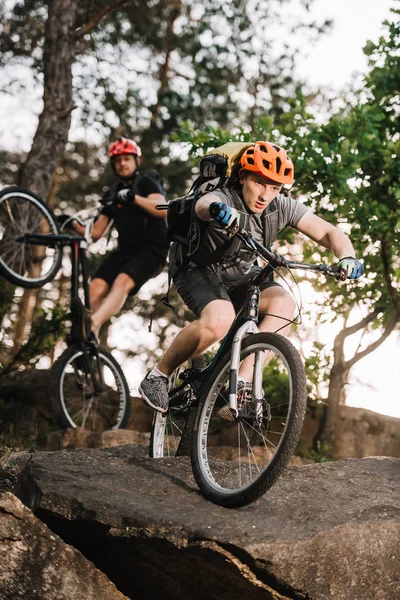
x: 98, y: 288
x: 124, y: 282
x: 278, y: 301
x: 217, y: 320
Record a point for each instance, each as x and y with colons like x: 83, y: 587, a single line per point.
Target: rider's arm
x: 202, y: 208
x: 326, y: 235
x: 98, y: 228
x: 150, y: 202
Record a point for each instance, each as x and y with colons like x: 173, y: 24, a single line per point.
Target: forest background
x: 182, y: 77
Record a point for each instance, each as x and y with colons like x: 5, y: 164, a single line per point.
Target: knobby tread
x: 292, y: 435
x: 9, y: 274
x: 57, y: 372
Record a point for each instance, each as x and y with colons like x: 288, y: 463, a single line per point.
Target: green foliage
x: 322, y: 453
x: 47, y: 329
x: 317, y: 364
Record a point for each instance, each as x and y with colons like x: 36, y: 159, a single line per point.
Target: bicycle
x: 239, y: 440
x: 90, y: 389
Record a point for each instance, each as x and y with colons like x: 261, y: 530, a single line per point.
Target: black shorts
x: 141, y: 265
x: 199, y: 286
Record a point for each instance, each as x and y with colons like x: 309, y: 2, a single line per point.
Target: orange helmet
x: 125, y: 146
x: 269, y: 160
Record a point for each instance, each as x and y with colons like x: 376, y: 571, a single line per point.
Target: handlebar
x: 276, y: 260
x: 87, y: 224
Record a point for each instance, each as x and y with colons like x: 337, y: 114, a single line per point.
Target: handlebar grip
x: 214, y: 209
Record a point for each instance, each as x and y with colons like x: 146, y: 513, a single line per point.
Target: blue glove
x: 350, y: 268
x: 226, y: 216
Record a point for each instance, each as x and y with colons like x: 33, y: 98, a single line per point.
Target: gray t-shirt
x: 265, y: 227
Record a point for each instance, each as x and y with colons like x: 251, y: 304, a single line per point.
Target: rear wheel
x: 237, y: 458
x: 90, y: 390
x: 171, y: 431
x: 23, y: 214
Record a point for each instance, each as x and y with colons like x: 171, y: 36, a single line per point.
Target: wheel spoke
x: 232, y: 456
x: 79, y: 404
x: 23, y: 263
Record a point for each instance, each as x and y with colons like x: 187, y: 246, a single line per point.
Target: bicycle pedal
x: 225, y: 413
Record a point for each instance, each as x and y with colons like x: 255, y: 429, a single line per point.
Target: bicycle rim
x: 236, y: 459
x: 78, y: 403
x: 167, y: 429
x: 166, y: 433
x: 21, y: 263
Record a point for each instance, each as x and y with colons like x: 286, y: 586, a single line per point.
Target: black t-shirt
x: 135, y: 226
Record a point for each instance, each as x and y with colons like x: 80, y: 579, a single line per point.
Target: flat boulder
x: 323, y: 531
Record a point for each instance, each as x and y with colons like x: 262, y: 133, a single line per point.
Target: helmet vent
x: 250, y: 151
x: 277, y: 148
x: 266, y: 164
x: 250, y: 161
x: 278, y: 164
x: 263, y: 149
x: 287, y: 172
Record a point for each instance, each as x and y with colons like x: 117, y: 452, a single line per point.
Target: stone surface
x: 322, y: 532
x: 35, y: 564
x: 25, y: 407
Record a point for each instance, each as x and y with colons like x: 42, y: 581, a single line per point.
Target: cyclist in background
x: 142, y: 232
x: 215, y: 293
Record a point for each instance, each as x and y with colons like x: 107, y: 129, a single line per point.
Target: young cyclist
x: 215, y: 292
x: 142, y: 232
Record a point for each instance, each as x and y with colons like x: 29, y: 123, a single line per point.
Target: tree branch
x: 85, y: 29
x: 347, y: 331
x: 388, y: 330
x: 387, y: 274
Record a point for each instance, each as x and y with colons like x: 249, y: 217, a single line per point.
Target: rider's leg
x: 213, y: 324
x: 98, y: 290
x: 278, y: 307
x: 113, y: 302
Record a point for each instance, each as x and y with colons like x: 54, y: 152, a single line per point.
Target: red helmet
x: 125, y: 146
x: 269, y: 160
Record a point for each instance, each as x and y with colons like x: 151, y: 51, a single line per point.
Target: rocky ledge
x: 323, y: 531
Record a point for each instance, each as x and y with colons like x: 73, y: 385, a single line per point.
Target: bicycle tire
x: 76, y: 403
x: 236, y: 460
x: 170, y: 434
x: 23, y: 264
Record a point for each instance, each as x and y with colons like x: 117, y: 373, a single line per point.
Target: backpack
x: 217, y: 168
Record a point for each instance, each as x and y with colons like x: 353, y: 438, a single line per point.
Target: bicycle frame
x: 79, y: 266
x: 246, y: 320
x: 78, y: 245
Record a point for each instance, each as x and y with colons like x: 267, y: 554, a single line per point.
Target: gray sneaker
x: 154, y: 391
x: 244, y: 391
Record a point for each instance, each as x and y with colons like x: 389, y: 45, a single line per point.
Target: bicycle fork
x: 249, y: 327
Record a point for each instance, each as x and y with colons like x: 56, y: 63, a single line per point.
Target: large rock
x: 35, y: 564
x: 325, y: 531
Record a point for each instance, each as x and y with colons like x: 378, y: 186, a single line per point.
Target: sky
x: 337, y: 56
x: 333, y: 62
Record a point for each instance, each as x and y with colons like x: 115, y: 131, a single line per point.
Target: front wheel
x: 90, y: 390
x: 237, y: 458
x: 23, y: 214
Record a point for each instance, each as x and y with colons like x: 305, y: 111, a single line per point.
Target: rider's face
x: 258, y: 191
x: 125, y: 165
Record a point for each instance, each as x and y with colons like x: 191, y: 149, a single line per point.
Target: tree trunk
x: 24, y: 318
x: 341, y: 369
x: 336, y: 397
x: 54, y: 122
